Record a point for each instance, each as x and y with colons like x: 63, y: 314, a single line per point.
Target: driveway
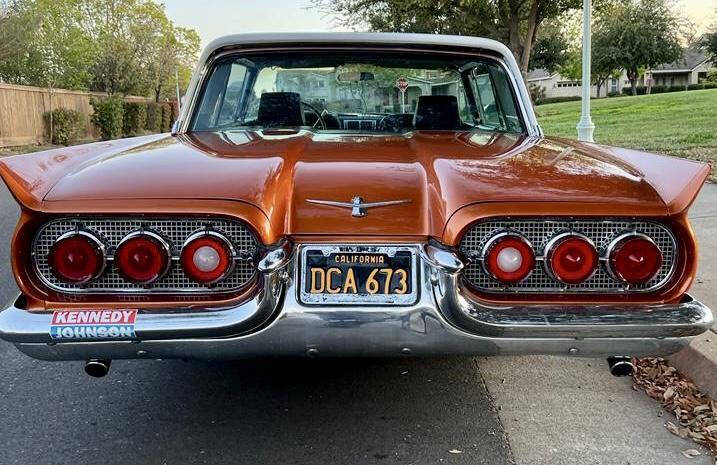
x: 552, y: 410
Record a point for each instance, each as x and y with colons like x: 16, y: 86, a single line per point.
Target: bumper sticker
x: 93, y: 324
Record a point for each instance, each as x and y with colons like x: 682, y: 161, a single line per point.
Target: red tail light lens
x: 207, y: 257
x: 77, y: 258
x: 509, y: 258
x: 142, y: 257
x: 635, y: 259
x: 572, y: 258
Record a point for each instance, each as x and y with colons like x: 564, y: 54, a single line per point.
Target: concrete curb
x: 698, y: 361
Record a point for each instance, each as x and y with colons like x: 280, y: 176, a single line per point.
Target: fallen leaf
x: 691, y: 453
x: 455, y: 451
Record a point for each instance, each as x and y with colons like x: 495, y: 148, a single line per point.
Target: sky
x: 214, y: 18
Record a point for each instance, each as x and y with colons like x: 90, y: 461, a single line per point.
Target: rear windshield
x: 357, y: 92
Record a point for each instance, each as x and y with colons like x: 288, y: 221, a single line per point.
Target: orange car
x: 352, y: 195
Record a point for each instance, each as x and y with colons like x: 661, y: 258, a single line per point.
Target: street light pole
x: 585, y: 126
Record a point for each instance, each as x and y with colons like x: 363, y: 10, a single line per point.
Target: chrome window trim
x: 233, y: 257
x: 490, y: 243
x: 603, y: 258
x: 554, y: 242
x: 163, y: 243
x: 94, y: 239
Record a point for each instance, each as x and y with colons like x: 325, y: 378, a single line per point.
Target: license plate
x: 375, y: 275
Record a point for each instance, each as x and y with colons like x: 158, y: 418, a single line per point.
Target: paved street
x: 458, y: 410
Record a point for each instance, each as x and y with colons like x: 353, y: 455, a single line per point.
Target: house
x: 555, y: 85
x: 690, y: 68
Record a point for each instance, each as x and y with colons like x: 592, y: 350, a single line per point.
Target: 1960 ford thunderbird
x: 352, y: 195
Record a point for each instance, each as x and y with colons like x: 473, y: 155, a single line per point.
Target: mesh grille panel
x: 539, y: 232
x: 175, y: 231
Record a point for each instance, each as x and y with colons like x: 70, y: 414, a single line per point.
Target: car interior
x: 357, y: 92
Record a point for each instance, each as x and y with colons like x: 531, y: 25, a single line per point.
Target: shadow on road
x: 260, y: 411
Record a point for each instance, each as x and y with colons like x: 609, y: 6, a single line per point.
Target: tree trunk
x: 599, y: 86
x: 530, y: 35
x: 633, y: 83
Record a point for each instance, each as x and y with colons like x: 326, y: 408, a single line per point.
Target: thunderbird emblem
x: 357, y: 205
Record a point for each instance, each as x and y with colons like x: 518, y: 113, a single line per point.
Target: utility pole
x: 585, y: 126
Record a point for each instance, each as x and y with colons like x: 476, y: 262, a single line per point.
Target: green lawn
x: 683, y: 124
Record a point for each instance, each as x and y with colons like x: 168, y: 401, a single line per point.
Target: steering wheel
x: 319, y: 118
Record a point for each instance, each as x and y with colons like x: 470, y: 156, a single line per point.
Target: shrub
x: 66, y: 125
x: 710, y: 85
x: 166, y: 117
x: 641, y: 90
x: 135, y: 118
x: 175, y: 111
x: 658, y: 89
x: 537, y: 93
x: 695, y: 87
x: 154, y: 117
x: 107, y: 116
x: 613, y: 94
x: 676, y: 88
x: 558, y: 100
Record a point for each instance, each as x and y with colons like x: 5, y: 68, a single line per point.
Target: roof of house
x: 691, y: 58
x: 538, y: 74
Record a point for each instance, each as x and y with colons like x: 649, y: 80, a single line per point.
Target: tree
x: 551, y: 49
x: 639, y: 34
x: 515, y: 22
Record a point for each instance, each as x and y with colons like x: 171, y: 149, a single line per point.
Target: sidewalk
x: 699, y: 360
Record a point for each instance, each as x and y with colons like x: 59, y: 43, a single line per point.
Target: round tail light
x: 77, y: 257
x: 207, y: 257
x: 142, y: 257
x: 634, y: 258
x: 572, y: 258
x: 509, y: 258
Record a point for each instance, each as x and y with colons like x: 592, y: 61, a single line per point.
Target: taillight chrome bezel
x: 540, y: 232
x: 493, y: 241
x: 618, y: 241
x: 557, y: 240
x: 162, y: 243
x: 233, y: 256
x: 175, y: 230
x: 95, y: 241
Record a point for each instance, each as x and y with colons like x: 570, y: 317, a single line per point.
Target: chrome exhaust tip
x: 97, y: 368
x: 620, y: 366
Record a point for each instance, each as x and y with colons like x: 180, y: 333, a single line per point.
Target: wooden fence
x: 23, y: 108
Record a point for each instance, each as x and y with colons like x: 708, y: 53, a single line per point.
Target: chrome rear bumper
x: 444, y: 320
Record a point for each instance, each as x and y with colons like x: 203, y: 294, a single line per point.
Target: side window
x: 232, y: 95
x: 494, y: 98
x: 487, y: 106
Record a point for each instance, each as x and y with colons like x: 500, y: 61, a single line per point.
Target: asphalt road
x: 256, y: 412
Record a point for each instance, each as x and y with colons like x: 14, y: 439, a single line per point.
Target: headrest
x: 437, y: 112
x: 278, y: 109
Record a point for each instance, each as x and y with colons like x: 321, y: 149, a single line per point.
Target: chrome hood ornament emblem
x: 357, y: 205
